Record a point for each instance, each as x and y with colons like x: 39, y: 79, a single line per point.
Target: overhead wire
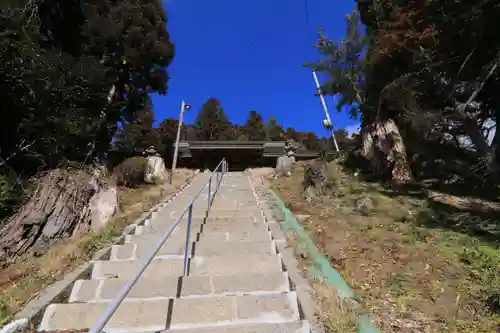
x: 308, y: 30
x: 329, y: 128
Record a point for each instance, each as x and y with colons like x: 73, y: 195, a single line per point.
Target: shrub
x: 130, y: 173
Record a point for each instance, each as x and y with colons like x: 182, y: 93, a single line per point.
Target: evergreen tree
x: 239, y: 133
x: 310, y: 141
x: 56, y: 72
x: 274, y: 131
x: 212, y: 122
x: 344, y: 64
x: 291, y: 133
x: 139, y: 134
x: 254, y: 127
x: 167, y: 132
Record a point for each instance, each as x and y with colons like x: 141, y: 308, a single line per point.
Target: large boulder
x: 155, y: 172
x: 103, y: 206
x: 104, y: 203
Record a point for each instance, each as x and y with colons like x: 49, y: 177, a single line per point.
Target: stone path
x: 236, y: 281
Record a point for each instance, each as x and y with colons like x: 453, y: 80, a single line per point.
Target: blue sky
x: 249, y: 55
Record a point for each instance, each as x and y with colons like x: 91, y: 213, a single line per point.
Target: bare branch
x: 20, y: 149
x: 473, y: 96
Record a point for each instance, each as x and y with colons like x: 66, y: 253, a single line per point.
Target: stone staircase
x: 236, y: 281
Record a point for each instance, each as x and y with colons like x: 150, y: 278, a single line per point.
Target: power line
x: 327, y: 122
x: 306, y: 7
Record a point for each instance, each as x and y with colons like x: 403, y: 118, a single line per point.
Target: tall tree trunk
x: 384, y: 147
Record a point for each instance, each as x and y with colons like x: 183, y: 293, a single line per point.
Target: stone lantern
x: 151, y: 151
x: 155, y: 168
x: 290, y: 149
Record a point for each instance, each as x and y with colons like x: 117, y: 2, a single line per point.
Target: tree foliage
x: 59, y: 60
x: 70, y: 71
x: 431, y: 68
x: 274, y: 131
x: 254, y: 126
x: 139, y: 134
x: 212, y: 122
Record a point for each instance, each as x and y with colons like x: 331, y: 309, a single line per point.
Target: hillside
x: 416, y: 265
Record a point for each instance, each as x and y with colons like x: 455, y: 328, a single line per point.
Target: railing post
x: 188, y: 240
x: 209, y: 194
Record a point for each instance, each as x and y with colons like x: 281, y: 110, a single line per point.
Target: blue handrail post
x: 209, y: 195
x: 188, y: 239
x: 219, y: 175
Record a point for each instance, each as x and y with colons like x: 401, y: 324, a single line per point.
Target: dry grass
x: 335, y: 314
x: 411, y: 276
x: 25, y: 279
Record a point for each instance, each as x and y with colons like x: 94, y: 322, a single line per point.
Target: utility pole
x: 327, y: 122
x: 184, y: 107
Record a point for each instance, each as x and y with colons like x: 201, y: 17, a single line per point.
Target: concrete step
x: 253, y: 213
x: 230, y: 226
x: 189, y: 286
x: 131, y: 251
x: 164, y: 224
x: 209, y: 226
x: 179, y: 238
x: 161, y: 228
x: 205, y: 266
x: 292, y: 327
x: 229, y: 213
x: 183, y: 313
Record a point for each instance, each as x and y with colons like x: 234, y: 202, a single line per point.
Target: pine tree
x: 291, y: 133
x: 310, y: 141
x: 254, y: 127
x: 274, y: 131
x: 57, y: 68
x: 239, y: 133
x: 167, y: 132
x: 138, y: 135
x: 344, y: 64
x: 212, y: 122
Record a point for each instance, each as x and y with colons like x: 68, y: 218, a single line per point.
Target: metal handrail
x: 106, y: 316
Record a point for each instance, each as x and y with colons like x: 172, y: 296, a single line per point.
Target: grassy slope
x: 412, y: 271
x: 25, y: 279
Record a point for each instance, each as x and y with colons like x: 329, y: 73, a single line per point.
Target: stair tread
x: 211, y: 265
x: 215, y: 236
x: 156, y: 315
x: 142, y: 250
x: 171, y: 287
x: 291, y: 327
